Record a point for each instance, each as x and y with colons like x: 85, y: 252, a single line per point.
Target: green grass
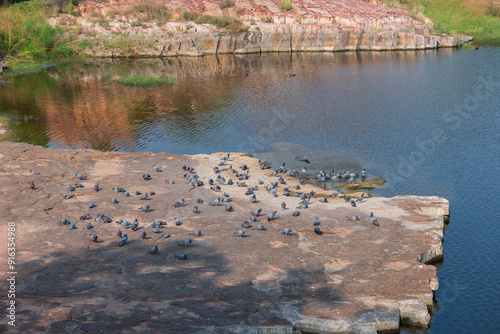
x: 145, y: 81
x: 454, y: 17
x: 286, y: 4
x: 223, y: 22
x: 226, y: 4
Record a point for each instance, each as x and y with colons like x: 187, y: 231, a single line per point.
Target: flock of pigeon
x: 225, y: 200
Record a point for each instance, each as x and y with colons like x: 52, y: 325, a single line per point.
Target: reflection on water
x: 343, y: 110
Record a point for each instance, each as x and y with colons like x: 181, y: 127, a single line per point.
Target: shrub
x: 286, y: 4
x: 153, y: 11
x: 226, y: 4
x: 269, y: 19
x: 189, y: 16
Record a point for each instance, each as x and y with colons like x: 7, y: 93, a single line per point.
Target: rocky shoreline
x: 318, y: 25
x: 354, y: 277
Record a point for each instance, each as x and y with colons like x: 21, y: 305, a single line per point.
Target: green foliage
x: 189, y: 16
x: 229, y: 23
x: 25, y: 34
x: 145, y: 81
x: 153, y: 11
x: 286, y: 4
x: 269, y: 19
x: 226, y: 4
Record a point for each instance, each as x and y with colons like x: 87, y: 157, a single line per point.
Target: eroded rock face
x: 354, y: 278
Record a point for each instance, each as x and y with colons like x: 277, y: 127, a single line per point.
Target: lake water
x: 426, y: 121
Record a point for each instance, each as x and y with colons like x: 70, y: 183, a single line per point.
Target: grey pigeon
x: 124, y: 223
x: 151, y: 193
x: 92, y: 205
x: 283, y: 205
x: 261, y: 227
x: 335, y: 194
x: 72, y: 226
x: 240, y: 233
x: 373, y: 219
x: 253, y: 219
x: 87, y: 216
x: 260, y: 181
x: 363, y: 174
x: 352, y: 218
x: 65, y: 222
x: 196, y: 233
x: 179, y: 203
x: 228, y: 208
x: 144, y: 197
x: 317, y: 230
x: 194, y: 209
x: 114, y: 200
x: 117, y: 189
x: 80, y: 176
x: 360, y: 198
x: 79, y: 185
x: 146, y: 176
x: 316, y: 221
x: 155, y: 229
x: 246, y: 224
x: 69, y: 196
x: 199, y: 200
x: 257, y: 212
x: 126, y: 194
x: 71, y: 188
x: 271, y: 216
x: 230, y: 182
x: 32, y: 185
x: 297, y: 187
x: 123, y: 241
x: 89, y: 226
x: 144, y: 208
x: 253, y: 199
x: 143, y: 235
x: 159, y: 222
x: 94, y: 238
x: 286, y: 231
x: 323, y: 200
x: 347, y: 198
x: 135, y: 225
x: 170, y: 181
x: 153, y: 250
x: 119, y: 234
x: 353, y: 204
x: 241, y: 184
x: 137, y: 192
x: 226, y: 199
x: 186, y: 243
x: 33, y: 173
x: 215, y: 202
x: 302, y: 158
x: 164, y: 235
x: 96, y: 187
x: 303, y: 206
x: 296, y: 214
x: 181, y: 256
x: 244, y: 167
x: 177, y: 222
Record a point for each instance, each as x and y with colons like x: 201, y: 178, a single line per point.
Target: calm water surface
x: 427, y: 121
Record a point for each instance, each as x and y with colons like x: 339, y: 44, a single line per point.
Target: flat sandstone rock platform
x: 355, y: 277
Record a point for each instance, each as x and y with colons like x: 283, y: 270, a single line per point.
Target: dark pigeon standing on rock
x: 32, y: 185
x: 317, y: 230
x: 186, y: 243
x: 296, y: 214
x: 153, y: 250
x: 179, y: 203
x: 94, y: 238
x: 363, y: 174
x: 373, y: 219
x: 144, y: 208
x: 33, y: 173
x: 315, y: 221
x: 360, y: 198
x: 228, y: 208
x: 135, y: 225
x: 194, y: 209
x: 92, y: 205
x: 80, y: 176
x: 261, y: 227
x: 240, y: 233
x: 352, y: 218
x: 146, y: 176
x: 96, y: 187
x: 119, y: 234
x: 181, y: 256
x: 271, y: 216
x: 286, y: 231
x: 177, y: 222
x: 89, y: 226
x: 195, y: 233
x: 71, y: 188
x: 143, y: 235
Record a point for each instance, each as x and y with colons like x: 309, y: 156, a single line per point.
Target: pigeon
x: 304, y: 170
x: 317, y: 230
x: 226, y: 199
x: 323, y: 200
x: 146, y: 176
x: 71, y: 188
x: 296, y: 214
x: 281, y: 180
x: 271, y: 216
x: 135, y: 225
x: 177, y: 222
x: 352, y: 218
x: 119, y: 234
x: 246, y: 224
x: 117, y: 189
x: 87, y: 216
x: 253, y: 199
x: 316, y: 221
x: 228, y: 208
x: 33, y: 173
x: 94, y: 238
x: 137, y: 192
x: 283, y: 205
x: 170, y: 181
x: 114, y: 200
x: 335, y: 194
x: 144, y: 197
x: 194, y: 209
x: 156, y: 168
x: 179, y: 203
x: 126, y: 194
x: 256, y: 213
x: 195, y: 233
x: 241, y: 184
x: 215, y: 202
x: 240, y: 233
x: 244, y: 167
x: 153, y: 250
x: 273, y: 192
x: 158, y: 222
x: 69, y: 196
x: 80, y: 176
x: 303, y: 206
x: 164, y: 235
x: 155, y: 229
x: 186, y: 243
x: 286, y: 231
x: 89, y: 226
x: 199, y: 200
x: 373, y: 219
x: 92, y: 205
x: 181, y: 256
x: 102, y: 219
x: 353, y: 204
x: 124, y: 223
x: 144, y: 208
x: 253, y: 219
x: 363, y: 174
x: 297, y: 187
x: 261, y: 227
x: 286, y: 193
x: 361, y: 198
x: 79, y: 185
x: 32, y: 185
x: 347, y: 198
x: 72, y: 226
x: 123, y: 241
x: 65, y: 222
x: 230, y: 182
x: 302, y: 159
x: 143, y: 235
